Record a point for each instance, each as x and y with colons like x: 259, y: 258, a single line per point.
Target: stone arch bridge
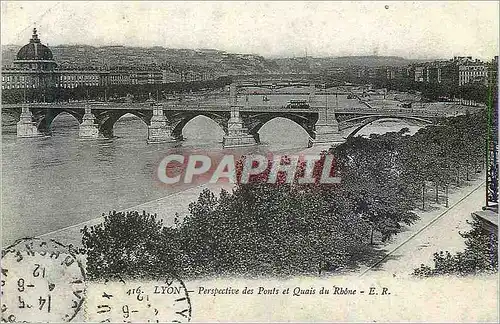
x: 240, y: 123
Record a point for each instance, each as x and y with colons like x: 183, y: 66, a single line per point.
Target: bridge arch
x: 179, y: 121
x: 361, y: 122
x: 44, y: 118
x: 108, y: 121
x: 260, y: 120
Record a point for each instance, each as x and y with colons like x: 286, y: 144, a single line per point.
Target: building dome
x: 34, y: 50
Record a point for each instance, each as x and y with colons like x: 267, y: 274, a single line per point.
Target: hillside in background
x: 175, y: 60
x: 209, y: 60
x: 322, y: 64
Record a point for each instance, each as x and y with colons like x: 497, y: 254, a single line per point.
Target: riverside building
x: 34, y: 67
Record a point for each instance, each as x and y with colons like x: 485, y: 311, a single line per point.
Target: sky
x: 417, y: 30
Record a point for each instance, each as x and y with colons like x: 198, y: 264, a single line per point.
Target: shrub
x: 479, y: 256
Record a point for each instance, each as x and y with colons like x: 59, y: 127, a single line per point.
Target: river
x: 54, y: 182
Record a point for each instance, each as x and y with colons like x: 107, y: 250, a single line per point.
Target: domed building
x: 35, y: 55
x: 34, y: 67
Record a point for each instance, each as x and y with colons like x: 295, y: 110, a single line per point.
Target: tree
x: 128, y: 244
x: 371, y: 178
x: 270, y: 228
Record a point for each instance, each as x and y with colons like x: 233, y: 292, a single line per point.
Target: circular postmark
x: 42, y: 281
x: 158, y: 300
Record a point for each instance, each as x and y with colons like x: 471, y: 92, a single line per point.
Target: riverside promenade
x: 437, y: 229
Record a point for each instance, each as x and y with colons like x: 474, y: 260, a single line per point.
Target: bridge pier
x: 237, y: 134
x: 159, y: 131
x: 88, y: 128
x: 26, y: 127
x: 326, y: 130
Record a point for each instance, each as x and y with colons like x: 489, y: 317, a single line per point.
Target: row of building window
x: 481, y: 73
x: 18, y: 86
x: 79, y: 77
x: 472, y: 68
x: 60, y: 85
x: 96, y: 83
x: 74, y: 85
x: 15, y: 78
x: 62, y: 77
x: 97, y: 79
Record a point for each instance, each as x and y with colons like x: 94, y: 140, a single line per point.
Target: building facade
x: 77, y: 78
x: 493, y: 72
x: 35, y: 67
x: 459, y: 71
x: 471, y: 71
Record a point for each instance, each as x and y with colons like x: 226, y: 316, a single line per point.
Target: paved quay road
x: 437, y: 230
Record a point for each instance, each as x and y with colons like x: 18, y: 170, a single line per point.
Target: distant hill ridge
x: 206, y: 59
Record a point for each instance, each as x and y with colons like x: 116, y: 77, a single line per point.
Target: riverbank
x: 165, y: 208
x: 437, y: 228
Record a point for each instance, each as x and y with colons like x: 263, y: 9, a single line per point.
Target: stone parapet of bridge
x: 397, y: 112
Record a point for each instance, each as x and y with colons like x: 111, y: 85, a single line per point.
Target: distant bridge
x: 239, y: 117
